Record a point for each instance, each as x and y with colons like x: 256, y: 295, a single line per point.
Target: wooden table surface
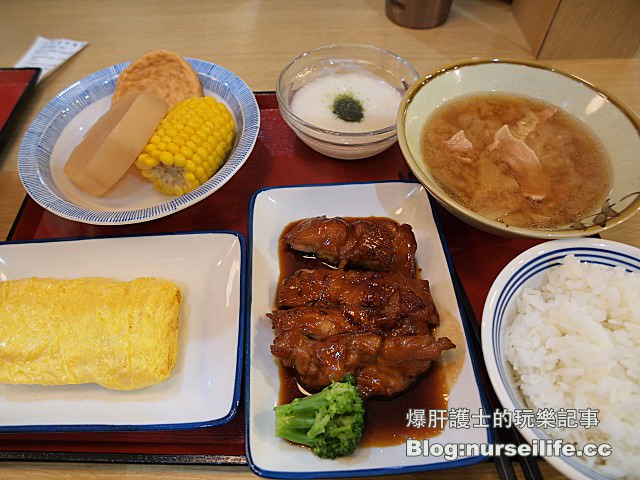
x: 255, y: 39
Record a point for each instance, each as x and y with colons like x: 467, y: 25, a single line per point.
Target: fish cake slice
x: 161, y: 73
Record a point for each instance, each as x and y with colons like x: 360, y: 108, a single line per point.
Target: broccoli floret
x: 330, y: 422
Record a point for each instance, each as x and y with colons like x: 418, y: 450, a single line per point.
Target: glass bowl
x: 362, y: 64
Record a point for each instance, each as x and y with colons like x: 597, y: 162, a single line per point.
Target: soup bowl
x: 614, y: 125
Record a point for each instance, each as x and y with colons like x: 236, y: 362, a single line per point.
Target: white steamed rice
x: 574, y: 343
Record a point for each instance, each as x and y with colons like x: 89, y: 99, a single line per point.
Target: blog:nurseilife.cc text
x: 538, y: 447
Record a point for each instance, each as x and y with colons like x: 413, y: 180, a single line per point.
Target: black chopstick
x: 503, y: 465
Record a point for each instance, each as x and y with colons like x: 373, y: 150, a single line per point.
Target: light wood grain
x: 254, y: 39
x: 61, y: 471
x: 593, y: 29
x: 580, y: 28
x: 534, y: 18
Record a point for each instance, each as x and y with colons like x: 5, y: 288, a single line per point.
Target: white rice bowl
x: 561, y: 333
x: 574, y: 343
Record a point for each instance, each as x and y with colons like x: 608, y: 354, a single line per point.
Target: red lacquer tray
x: 278, y: 158
x: 15, y: 86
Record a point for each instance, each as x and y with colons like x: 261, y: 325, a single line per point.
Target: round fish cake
x: 161, y: 73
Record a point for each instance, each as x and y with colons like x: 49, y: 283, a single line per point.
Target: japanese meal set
x: 351, y: 324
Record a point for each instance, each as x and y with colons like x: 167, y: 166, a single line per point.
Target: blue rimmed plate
x: 204, y: 387
x: 271, y: 211
x: 60, y: 126
x: 528, y: 270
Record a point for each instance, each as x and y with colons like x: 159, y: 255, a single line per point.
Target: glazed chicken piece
x: 382, y: 366
x: 374, y: 325
x: 320, y: 323
x: 401, y: 361
x: 372, y: 320
x: 319, y: 362
x: 315, y: 323
x: 374, y: 244
x: 374, y: 301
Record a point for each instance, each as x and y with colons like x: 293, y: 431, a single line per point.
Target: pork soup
x: 517, y: 160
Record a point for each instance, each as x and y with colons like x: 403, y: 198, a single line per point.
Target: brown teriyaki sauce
x: 386, y: 419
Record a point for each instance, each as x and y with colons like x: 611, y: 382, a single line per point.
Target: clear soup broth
x: 517, y: 160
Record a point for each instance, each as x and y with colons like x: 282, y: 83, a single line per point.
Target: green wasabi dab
x: 348, y: 108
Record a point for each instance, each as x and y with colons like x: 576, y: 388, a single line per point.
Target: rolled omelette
x: 120, y: 335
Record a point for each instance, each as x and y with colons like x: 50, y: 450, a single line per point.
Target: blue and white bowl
x: 60, y: 126
x: 527, y: 271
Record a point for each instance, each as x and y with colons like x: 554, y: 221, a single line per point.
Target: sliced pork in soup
x: 517, y: 160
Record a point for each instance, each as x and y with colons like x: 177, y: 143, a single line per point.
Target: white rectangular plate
x: 203, y: 389
x: 271, y: 211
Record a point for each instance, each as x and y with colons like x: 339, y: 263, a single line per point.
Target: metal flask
x: 418, y: 13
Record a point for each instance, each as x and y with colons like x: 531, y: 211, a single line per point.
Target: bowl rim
x: 392, y: 137
x: 364, y: 46
x: 445, y: 200
x: 570, y: 466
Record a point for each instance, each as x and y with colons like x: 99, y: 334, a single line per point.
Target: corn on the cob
x: 189, y: 145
